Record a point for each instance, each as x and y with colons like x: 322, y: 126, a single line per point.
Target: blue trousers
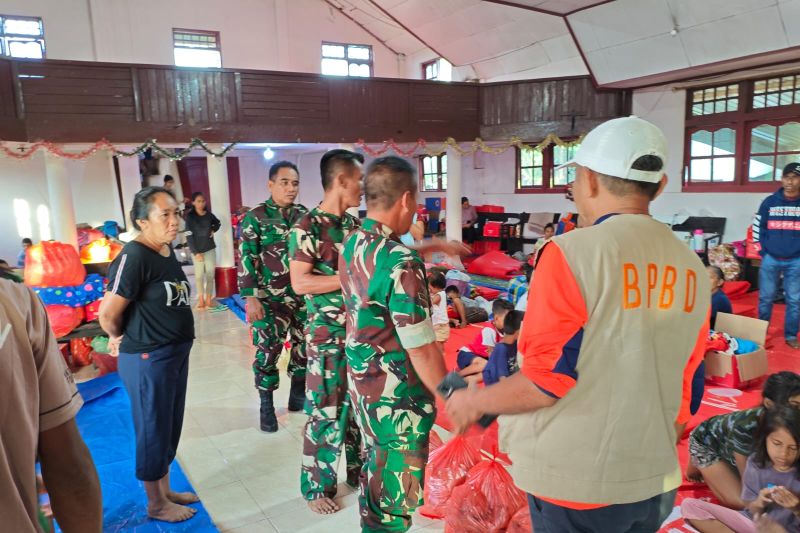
x: 641, y: 517
x: 156, y: 384
x: 769, y: 276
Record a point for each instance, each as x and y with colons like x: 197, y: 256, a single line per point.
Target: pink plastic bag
x: 486, y: 502
x: 447, y: 468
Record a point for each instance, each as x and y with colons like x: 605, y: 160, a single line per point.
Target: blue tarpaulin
x: 106, y: 425
x: 236, y: 304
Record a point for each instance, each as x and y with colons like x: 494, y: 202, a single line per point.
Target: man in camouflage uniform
x: 273, y: 309
x: 314, y: 245
x: 394, y: 362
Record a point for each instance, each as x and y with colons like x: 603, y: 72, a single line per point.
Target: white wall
x: 94, y: 193
x: 666, y: 109
x: 254, y: 34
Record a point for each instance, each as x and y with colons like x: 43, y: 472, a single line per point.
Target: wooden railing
x: 66, y: 101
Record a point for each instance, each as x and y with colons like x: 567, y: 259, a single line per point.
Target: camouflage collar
x: 271, y: 203
x: 319, y: 211
x: 373, y: 226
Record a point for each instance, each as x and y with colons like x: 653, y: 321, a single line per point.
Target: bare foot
x: 171, y: 512
x: 200, y: 307
x: 323, y: 506
x: 183, y: 498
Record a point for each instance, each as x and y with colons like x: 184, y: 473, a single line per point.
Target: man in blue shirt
x: 26, y: 243
x: 777, y: 228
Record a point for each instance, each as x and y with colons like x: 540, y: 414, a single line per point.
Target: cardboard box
x: 738, y: 370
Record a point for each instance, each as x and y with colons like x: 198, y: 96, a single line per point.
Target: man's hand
x: 449, y: 248
x: 199, y: 257
x: 463, y: 410
x: 113, y: 345
x: 255, y: 311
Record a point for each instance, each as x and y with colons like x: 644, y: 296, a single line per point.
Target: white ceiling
x: 625, y: 42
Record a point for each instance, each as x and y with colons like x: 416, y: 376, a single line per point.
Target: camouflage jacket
x: 264, y: 269
x: 317, y: 240
x: 388, y: 311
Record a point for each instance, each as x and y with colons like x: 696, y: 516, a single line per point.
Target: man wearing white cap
x: 618, y: 325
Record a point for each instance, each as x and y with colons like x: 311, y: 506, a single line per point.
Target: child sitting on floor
x: 719, y: 300
x: 522, y: 303
x: 469, y: 311
x: 719, y: 304
x: 503, y: 361
x: 475, y: 354
x: 441, y: 324
x: 770, y: 484
x: 719, y: 446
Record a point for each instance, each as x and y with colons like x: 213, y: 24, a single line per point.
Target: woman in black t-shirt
x: 201, y: 224
x: 147, y: 315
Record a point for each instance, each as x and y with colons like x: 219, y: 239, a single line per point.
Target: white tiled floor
x: 248, y: 480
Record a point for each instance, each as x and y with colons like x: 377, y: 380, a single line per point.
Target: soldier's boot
x: 297, y: 394
x: 269, y: 422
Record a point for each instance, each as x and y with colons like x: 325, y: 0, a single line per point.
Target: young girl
x: 441, y: 324
x: 770, y: 485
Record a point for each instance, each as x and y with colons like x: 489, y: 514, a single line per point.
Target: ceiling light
x: 268, y: 153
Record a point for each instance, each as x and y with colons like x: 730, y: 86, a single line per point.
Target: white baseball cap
x: 613, y: 146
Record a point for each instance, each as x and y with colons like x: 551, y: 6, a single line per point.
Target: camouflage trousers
x: 281, y: 319
x: 396, y: 444
x: 330, y: 417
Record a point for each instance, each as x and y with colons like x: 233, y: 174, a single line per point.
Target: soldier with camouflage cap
x: 273, y: 309
x: 394, y: 361
x: 314, y: 245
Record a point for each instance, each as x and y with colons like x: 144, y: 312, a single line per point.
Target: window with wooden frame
x: 537, y: 171
x: 354, y: 60
x: 433, y: 173
x: 740, y: 136
x: 196, y: 48
x: 21, y: 37
x: 438, y: 69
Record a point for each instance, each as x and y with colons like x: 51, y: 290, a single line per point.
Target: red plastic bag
x: 53, y: 264
x: 447, y: 468
x: 486, y: 502
x: 92, y: 310
x: 64, y: 318
x: 81, y: 350
x: 521, y: 521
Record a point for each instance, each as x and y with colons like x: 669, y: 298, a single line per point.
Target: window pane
x: 724, y: 142
x: 787, y: 83
x: 789, y: 137
x: 697, y: 109
x: 786, y: 98
x: 708, y: 108
x: 760, y: 87
x: 443, y: 164
x: 427, y: 166
x: 562, y: 154
x: 196, y: 57
x: 333, y: 50
x: 538, y: 177
x: 782, y: 160
x: 773, y: 84
x: 719, y: 106
x: 720, y: 93
x: 444, y: 182
x: 526, y: 177
x: 733, y: 91
x: 561, y: 177
x: 360, y: 70
x: 697, y: 96
x: 701, y: 143
x: 431, y: 182
x: 733, y: 104
x: 23, y: 27
x: 762, y: 139
x: 526, y: 158
x: 772, y: 99
x: 358, y: 52
x: 759, y: 101
x: 797, y: 97
x: 724, y: 168
x: 26, y: 49
x: 761, y: 168
x: 709, y: 94
x: 195, y: 40
x: 444, y: 70
x: 700, y: 170
x: 334, y: 67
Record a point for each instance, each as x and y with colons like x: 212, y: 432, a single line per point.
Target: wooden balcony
x: 67, y: 101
